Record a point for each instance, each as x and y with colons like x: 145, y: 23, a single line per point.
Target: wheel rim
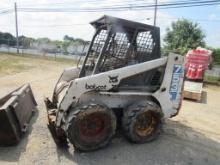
x: 145, y: 124
x: 92, y: 126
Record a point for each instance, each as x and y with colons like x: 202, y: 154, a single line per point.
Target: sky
x: 76, y: 24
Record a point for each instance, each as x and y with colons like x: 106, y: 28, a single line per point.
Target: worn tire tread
x: 72, y: 117
x: 129, y: 116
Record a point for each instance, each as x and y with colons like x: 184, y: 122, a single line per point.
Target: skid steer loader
x: 122, y: 71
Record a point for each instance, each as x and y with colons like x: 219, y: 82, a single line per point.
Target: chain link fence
x: 42, y: 48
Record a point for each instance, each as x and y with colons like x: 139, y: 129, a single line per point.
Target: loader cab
x: 118, y: 43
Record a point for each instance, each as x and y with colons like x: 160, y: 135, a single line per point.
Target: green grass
x: 212, y: 79
x: 11, y: 64
x: 14, y: 63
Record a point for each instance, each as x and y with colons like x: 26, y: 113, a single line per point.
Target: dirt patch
x: 193, y: 137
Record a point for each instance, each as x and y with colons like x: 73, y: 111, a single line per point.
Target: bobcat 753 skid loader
x: 122, y: 81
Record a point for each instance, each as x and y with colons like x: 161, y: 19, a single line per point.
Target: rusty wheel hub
x: 145, y: 124
x: 92, y: 126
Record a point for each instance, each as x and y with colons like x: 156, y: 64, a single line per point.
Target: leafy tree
x: 65, y: 45
x: 43, y: 40
x: 7, y: 38
x: 25, y: 41
x: 80, y: 41
x: 44, y: 44
x: 216, y: 56
x: 68, y: 38
x: 67, y: 41
x: 182, y: 36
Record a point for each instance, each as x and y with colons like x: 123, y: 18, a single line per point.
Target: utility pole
x: 155, y: 13
x: 16, y: 26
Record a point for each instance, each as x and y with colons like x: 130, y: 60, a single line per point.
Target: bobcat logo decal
x: 113, y: 79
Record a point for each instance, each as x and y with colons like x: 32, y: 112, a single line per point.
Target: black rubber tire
x: 131, y: 116
x: 91, y: 127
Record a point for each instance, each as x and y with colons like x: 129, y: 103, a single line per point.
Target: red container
x: 196, y: 61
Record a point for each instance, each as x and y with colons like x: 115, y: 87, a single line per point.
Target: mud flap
x: 16, y: 110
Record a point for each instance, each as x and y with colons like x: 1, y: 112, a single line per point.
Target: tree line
x: 25, y: 42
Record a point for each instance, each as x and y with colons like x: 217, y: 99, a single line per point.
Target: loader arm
x: 100, y: 81
x: 67, y: 75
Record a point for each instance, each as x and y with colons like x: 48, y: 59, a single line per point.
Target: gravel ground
x: 193, y: 137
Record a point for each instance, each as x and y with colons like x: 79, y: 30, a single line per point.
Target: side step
x: 16, y: 110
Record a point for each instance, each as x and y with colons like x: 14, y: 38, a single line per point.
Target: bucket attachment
x: 16, y: 110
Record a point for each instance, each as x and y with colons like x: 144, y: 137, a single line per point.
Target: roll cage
x: 118, y: 43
